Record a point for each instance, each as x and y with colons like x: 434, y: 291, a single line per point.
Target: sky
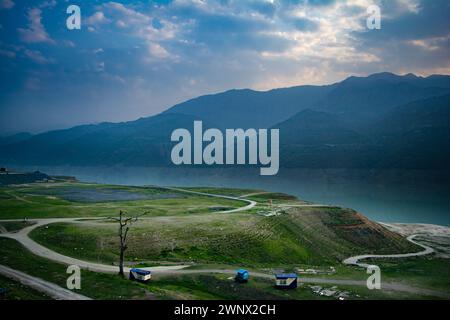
x: 134, y: 59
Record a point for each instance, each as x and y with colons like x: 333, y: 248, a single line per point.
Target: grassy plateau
x: 186, y: 228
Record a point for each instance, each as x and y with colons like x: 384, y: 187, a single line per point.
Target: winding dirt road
x: 355, y: 260
x: 22, y: 236
x: 250, y: 205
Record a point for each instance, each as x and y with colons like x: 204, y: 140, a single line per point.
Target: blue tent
x: 242, y: 275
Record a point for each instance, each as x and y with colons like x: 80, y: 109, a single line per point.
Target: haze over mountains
x: 380, y: 121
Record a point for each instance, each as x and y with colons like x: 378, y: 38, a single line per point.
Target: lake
x: 382, y: 195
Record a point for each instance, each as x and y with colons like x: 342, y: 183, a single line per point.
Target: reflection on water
x: 389, y: 196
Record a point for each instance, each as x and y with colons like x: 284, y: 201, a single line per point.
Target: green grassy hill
x: 208, y: 286
x: 72, y: 199
x: 301, y: 236
x: 181, y: 227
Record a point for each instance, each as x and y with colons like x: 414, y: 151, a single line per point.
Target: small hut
x: 140, y: 275
x: 242, y: 276
x: 286, y: 280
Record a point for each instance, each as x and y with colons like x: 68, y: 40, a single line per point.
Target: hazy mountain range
x: 380, y: 121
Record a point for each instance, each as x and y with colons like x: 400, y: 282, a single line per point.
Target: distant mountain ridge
x: 383, y: 120
x: 14, y: 138
x: 251, y: 109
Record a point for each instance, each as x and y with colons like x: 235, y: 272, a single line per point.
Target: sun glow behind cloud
x: 138, y: 58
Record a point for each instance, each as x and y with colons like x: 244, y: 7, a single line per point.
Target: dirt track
x: 23, y: 238
x: 50, y: 289
x: 355, y: 260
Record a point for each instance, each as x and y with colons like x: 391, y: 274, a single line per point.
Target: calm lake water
x: 387, y: 196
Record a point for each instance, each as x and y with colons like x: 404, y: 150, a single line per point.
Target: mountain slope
x: 360, y: 101
x: 424, y: 113
x: 143, y: 142
x: 310, y: 127
x: 15, y: 138
x: 416, y: 135
x: 251, y: 109
x: 412, y: 136
x: 356, y: 100
x: 314, y: 139
x: 382, y: 120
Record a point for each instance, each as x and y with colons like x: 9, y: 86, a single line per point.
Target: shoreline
x: 435, y: 236
x: 393, y: 196
x: 407, y: 229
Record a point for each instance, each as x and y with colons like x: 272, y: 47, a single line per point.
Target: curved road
x: 250, y: 205
x: 22, y: 237
x: 34, y: 247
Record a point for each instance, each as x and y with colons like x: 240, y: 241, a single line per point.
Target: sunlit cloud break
x: 154, y: 55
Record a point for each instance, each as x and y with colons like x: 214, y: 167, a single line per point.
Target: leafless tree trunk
x: 124, y: 227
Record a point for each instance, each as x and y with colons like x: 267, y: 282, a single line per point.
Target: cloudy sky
x: 136, y: 58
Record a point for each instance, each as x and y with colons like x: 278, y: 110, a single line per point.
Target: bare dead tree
x: 124, y: 227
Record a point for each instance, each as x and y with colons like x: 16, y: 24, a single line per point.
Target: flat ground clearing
x: 310, y: 236
x: 50, y: 200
